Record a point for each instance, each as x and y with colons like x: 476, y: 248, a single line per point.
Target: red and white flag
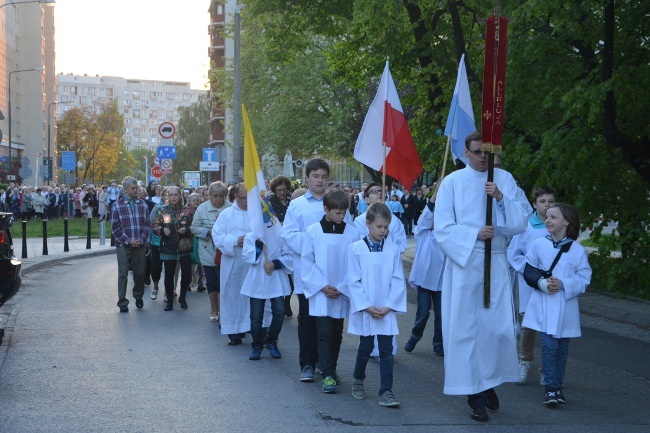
x: 385, y: 123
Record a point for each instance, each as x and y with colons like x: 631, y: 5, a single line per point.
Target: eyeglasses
x: 374, y: 191
x: 478, y: 152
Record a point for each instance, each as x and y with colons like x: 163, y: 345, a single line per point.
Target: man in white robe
x: 228, y: 235
x: 479, y: 343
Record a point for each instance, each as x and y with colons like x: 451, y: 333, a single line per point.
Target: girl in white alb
x: 553, y: 308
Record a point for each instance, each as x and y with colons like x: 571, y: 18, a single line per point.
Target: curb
x: 36, y: 266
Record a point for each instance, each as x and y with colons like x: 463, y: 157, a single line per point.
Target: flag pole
x: 444, y: 165
x: 383, y: 176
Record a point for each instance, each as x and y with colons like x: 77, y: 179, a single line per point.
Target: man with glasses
x: 479, y: 343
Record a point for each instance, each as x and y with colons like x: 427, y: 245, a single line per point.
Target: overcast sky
x: 142, y: 39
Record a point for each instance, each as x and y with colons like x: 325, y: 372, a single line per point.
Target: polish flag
x: 385, y: 123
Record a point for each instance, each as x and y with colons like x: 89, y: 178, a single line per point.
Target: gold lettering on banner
x: 498, y: 116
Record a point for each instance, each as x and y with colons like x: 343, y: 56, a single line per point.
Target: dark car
x: 10, y: 267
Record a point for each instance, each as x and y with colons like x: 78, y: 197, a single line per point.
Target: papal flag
x: 460, y: 122
x: 260, y: 215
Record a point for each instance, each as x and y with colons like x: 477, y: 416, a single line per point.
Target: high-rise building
x: 145, y: 104
x: 27, y: 50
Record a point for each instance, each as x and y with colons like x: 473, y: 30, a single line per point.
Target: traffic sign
x: 156, y: 172
x: 166, y: 130
x: 208, y: 166
x: 166, y: 152
x: 166, y: 166
x: 209, y: 154
x: 166, y: 142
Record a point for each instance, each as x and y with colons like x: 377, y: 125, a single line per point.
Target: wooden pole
x: 488, y: 242
x: 444, y: 165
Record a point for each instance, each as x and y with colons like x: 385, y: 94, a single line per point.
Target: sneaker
x: 329, y: 385
x: 139, y: 303
x: 410, y: 345
x: 337, y: 378
x: 560, y: 396
x: 550, y: 399
x: 524, y: 366
x: 387, y: 399
x: 307, y: 374
x: 438, y: 350
x: 479, y: 414
x: 154, y: 294
x: 358, y: 391
x: 273, y: 350
x: 256, y: 353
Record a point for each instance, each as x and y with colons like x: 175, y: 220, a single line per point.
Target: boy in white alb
x: 323, y: 277
x: 377, y: 291
x: 267, y: 278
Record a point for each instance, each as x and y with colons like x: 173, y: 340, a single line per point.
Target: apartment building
x: 27, y: 70
x: 145, y: 104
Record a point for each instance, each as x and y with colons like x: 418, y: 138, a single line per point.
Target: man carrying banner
x: 479, y: 343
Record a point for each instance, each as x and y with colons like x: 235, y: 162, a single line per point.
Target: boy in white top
x: 377, y: 291
x: 267, y: 278
x: 323, y: 278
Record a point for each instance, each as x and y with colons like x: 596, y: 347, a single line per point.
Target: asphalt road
x: 75, y: 364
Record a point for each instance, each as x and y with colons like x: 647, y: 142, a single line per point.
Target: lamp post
x: 9, y: 102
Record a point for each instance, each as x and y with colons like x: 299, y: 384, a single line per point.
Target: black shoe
x: 124, y: 309
x: 235, y: 342
x: 139, y: 303
x: 201, y: 288
x: 182, y: 303
x: 169, y: 306
x: 550, y: 399
x: 492, y: 399
x: 479, y: 414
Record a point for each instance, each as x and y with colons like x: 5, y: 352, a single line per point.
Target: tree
x: 192, y: 135
x: 94, y: 133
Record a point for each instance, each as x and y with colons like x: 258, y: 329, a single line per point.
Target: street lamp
x: 11, y: 2
x: 9, y: 101
x: 49, y: 129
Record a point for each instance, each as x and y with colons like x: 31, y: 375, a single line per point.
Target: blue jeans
x: 555, y: 352
x: 425, y: 299
x: 257, y: 317
x: 386, y: 361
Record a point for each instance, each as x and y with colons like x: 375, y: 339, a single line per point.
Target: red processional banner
x: 494, y: 84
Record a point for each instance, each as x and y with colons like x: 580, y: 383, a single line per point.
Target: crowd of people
x: 58, y: 201
x: 338, y: 250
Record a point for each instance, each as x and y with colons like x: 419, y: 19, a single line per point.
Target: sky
x: 163, y: 40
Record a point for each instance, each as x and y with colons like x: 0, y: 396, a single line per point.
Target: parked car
x: 10, y: 266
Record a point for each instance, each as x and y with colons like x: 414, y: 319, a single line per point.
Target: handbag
x: 532, y: 275
x: 185, y: 245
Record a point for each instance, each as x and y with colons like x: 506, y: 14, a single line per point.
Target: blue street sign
x: 166, y: 152
x: 209, y: 154
x: 68, y: 160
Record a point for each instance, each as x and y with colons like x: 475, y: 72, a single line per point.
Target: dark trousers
x: 386, y: 361
x: 134, y: 259
x: 257, y: 317
x: 212, y: 276
x: 426, y: 298
x: 156, y: 263
x: 329, y: 336
x: 186, y: 276
x: 407, y: 220
x: 307, y: 334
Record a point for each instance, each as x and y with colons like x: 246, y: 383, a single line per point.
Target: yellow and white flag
x: 260, y: 215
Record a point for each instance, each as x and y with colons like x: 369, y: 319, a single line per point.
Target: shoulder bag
x: 532, y: 274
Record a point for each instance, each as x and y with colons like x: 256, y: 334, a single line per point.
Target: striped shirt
x: 130, y: 220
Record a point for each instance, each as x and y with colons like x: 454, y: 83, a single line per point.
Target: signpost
x: 166, y: 166
x: 208, y: 166
x: 167, y: 130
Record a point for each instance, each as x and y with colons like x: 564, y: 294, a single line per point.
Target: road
x: 75, y: 364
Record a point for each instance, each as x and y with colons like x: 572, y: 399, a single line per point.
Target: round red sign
x: 156, y: 171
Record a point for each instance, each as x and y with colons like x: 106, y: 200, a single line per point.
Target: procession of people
x: 347, y: 267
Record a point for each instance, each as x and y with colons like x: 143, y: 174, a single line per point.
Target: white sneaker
x: 154, y: 294
x: 524, y: 366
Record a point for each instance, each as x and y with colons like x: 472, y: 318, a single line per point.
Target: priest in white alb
x: 479, y: 343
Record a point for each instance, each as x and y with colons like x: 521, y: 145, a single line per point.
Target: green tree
x: 193, y: 134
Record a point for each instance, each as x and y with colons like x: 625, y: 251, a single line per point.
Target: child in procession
x: 377, y: 291
x: 323, y: 277
x: 543, y: 198
x: 553, y: 308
